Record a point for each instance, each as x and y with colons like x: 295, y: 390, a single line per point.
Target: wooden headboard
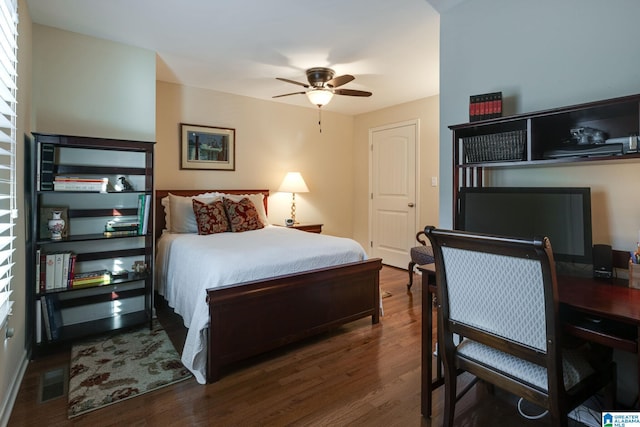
x: 159, y: 209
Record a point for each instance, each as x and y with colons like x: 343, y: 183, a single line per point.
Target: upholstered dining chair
x: 420, y: 255
x: 500, y: 295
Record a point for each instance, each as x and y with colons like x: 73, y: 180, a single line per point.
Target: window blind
x: 8, y: 88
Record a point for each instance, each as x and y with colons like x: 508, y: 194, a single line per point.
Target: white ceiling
x: 241, y: 46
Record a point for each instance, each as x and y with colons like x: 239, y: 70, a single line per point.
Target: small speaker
x: 602, y: 261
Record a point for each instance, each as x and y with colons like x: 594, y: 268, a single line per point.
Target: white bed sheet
x: 188, y: 264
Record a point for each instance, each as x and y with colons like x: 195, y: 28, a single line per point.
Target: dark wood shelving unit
x: 87, y: 213
x: 543, y: 132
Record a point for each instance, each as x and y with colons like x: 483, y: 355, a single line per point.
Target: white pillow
x: 257, y: 199
x: 167, y: 212
x: 179, y: 216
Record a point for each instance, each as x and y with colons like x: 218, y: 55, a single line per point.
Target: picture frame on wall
x: 207, y: 147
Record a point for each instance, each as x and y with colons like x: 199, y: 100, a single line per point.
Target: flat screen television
x: 560, y: 213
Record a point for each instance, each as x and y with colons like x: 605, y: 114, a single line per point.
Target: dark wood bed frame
x: 250, y: 318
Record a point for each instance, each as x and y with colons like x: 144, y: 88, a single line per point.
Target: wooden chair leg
x: 411, y: 265
x: 450, y: 395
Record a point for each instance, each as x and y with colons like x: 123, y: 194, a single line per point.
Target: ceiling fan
x: 323, y: 85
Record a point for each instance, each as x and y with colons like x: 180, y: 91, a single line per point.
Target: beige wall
x: 271, y: 140
x: 614, y: 214
x: 92, y: 87
x: 426, y: 111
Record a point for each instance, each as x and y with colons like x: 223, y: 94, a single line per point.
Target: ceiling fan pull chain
x: 320, y: 119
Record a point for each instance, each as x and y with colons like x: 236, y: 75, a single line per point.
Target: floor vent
x: 53, y: 384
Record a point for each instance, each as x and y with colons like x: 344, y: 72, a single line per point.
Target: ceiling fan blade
x: 287, y: 94
x: 293, y: 81
x: 351, y: 92
x: 340, y: 80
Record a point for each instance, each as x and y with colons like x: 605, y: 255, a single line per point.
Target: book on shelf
x: 72, y: 268
x: 56, y: 269
x: 64, y: 277
x: 144, y: 201
x: 38, y: 321
x: 140, y: 211
x: 42, y: 281
x: 74, y: 179
x: 45, y: 164
x: 63, y: 183
x: 45, y: 316
x: 145, y: 215
x: 91, y: 278
x: 485, y: 106
x: 50, y: 271
x: 38, y: 263
x: 121, y: 233
x: 51, y: 315
x: 114, y: 226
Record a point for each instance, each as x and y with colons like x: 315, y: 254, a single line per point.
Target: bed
x: 249, y: 317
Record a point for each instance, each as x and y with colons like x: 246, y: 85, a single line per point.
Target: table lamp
x: 293, y: 183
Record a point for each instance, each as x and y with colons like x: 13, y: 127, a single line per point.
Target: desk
x: 603, y: 312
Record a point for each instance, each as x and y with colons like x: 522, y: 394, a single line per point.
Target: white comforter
x: 188, y: 264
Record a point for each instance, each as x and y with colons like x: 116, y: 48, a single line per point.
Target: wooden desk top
x: 613, y: 300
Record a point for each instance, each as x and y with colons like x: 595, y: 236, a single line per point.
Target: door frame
x: 416, y: 123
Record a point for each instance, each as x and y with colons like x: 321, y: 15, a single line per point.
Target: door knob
x: 411, y: 205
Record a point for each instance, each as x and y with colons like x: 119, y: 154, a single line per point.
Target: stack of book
x: 67, y: 183
x: 91, y: 278
x: 51, y: 316
x: 116, y: 228
x: 45, y: 165
x: 144, y: 203
x: 485, y: 106
x: 54, y: 270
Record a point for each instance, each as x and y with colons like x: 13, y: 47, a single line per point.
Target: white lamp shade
x: 320, y: 97
x: 293, y: 183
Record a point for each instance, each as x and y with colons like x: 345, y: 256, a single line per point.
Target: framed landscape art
x: 205, y: 147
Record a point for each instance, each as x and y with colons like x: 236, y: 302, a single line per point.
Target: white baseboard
x: 7, y: 405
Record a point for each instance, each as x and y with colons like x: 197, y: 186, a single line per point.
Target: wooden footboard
x: 252, y: 317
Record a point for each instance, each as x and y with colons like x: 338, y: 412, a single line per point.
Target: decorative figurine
x: 126, y: 186
x: 56, y: 225
x: 139, y: 267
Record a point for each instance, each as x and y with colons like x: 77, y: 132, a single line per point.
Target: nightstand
x: 310, y: 228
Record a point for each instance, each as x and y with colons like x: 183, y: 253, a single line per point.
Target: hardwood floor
x: 360, y: 374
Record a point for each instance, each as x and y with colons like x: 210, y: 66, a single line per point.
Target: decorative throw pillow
x: 179, y: 216
x: 243, y: 215
x: 256, y: 198
x: 211, y: 218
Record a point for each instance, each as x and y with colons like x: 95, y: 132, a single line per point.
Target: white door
x: 394, y: 212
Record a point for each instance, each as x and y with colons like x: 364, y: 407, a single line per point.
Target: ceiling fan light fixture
x: 320, y: 97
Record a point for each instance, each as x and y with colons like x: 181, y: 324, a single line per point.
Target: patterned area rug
x: 110, y: 369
